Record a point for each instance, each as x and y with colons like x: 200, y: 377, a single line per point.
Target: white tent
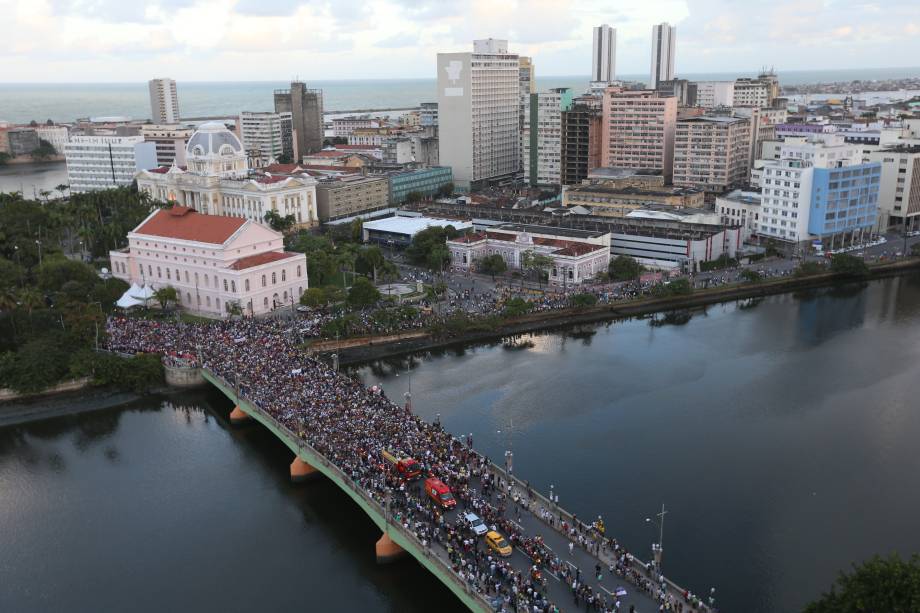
x: 126, y: 301
x: 143, y: 293
x: 134, y: 290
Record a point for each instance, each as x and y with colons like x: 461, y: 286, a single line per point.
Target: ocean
x: 23, y: 102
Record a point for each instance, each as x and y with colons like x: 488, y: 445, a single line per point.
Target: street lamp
x: 658, y: 548
x: 39, y: 243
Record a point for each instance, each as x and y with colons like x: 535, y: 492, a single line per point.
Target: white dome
x: 213, y: 139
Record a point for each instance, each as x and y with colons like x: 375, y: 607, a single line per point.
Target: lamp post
x: 658, y: 548
x: 39, y: 243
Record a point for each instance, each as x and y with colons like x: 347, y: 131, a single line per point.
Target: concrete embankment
x: 358, y: 350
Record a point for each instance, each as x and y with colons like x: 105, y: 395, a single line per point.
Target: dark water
x: 780, y: 435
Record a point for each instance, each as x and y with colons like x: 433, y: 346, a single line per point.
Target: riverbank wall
x: 364, y: 349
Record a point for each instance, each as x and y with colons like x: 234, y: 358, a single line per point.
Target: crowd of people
x: 351, y: 425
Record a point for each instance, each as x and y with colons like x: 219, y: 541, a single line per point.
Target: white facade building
x: 271, y: 134
x: 218, y: 182
x: 104, y: 162
x: 170, y: 142
x: 664, y: 43
x: 740, y: 208
x: 899, y: 197
x: 573, y: 261
x: 603, y: 56
x: 164, y: 101
x: 542, y: 137
x: 213, y: 262
x: 479, y: 96
x: 711, y: 94
x: 342, y: 127
x: 57, y: 136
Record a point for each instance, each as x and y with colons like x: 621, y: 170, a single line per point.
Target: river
x: 781, y: 436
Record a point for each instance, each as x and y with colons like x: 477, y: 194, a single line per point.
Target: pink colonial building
x: 574, y: 261
x: 213, y: 261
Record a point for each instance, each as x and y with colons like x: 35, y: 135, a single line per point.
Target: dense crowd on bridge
x: 351, y: 425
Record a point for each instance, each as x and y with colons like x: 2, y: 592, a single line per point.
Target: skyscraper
x: 664, y: 41
x: 639, y: 130
x: 306, y: 109
x: 164, y: 101
x: 604, y: 54
x: 479, y: 98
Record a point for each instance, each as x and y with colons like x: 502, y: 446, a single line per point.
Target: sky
x: 262, y: 40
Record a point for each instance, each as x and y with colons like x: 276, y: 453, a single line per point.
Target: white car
x: 476, y: 524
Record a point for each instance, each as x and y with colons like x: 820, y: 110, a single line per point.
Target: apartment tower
x: 306, y: 109
x: 164, y: 101
x: 664, y: 41
x: 639, y: 130
x: 603, y: 55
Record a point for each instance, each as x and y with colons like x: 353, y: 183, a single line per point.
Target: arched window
x: 298, y: 270
x: 159, y: 274
x: 233, y: 286
x: 188, y: 297
x: 263, y: 283
x: 207, y: 281
x: 178, y: 278
x: 274, y: 278
x: 168, y: 274
x: 266, y: 302
x: 186, y: 276
x: 207, y: 300
x: 196, y: 278
x: 247, y: 285
x: 225, y: 285
x: 285, y: 297
x: 283, y: 275
x: 217, y: 303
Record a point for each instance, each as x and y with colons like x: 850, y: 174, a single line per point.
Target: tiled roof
x: 328, y: 167
x: 162, y: 170
x: 187, y: 224
x: 281, y: 168
x: 270, y: 179
x: 251, y: 261
x: 327, y: 154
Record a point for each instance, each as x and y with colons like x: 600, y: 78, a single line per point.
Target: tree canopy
x: 879, y: 584
x: 493, y: 265
x: 624, y: 268
x: 429, y: 248
x: 362, y: 293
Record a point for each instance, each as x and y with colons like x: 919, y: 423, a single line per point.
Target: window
x: 263, y: 280
x: 246, y: 285
x: 298, y: 270
x: 233, y: 286
x: 159, y: 275
x: 274, y: 278
x: 265, y: 302
x: 206, y: 281
x: 283, y: 275
x: 225, y: 285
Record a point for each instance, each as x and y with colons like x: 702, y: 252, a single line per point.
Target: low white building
x: 740, y: 208
x: 214, y: 262
x: 269, y: 134
x: 218, y: 182
x: 573, y: 262
x: 104, y: 162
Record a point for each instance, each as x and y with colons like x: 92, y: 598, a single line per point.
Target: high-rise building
x: 603, y: 55
x: 712, y: 153
x: 639, y: 130
x: 664, y: 41
x: 170, y: 142
x: 712, y: 94
x: 306, y: 109
x: 429, y: 114
x: 819, y: 190
x: 542, y: 137
x: 164, y: 101
x: 103, y: 162
x: 899, y: 200
x: 269, y: 135
x: 479, y: 106
x: 758, y: 93
x: 581, y: 139
x: 528, y: 87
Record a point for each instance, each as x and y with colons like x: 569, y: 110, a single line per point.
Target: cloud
x: 93, y: 40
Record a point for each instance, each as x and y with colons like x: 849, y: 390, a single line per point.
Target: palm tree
x: 62, y: 187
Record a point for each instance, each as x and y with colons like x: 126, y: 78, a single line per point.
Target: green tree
x: 580, y: 301
x: 362, y: 293
x: 165, y: 295
x: 357, y: 230
x: 848, y: 265
x: 624, y: 268
x: 806, y: 269
x: 492, y: 265
x: 438, y: 258
x: 428, y: 240
x: 44, y: 150
x: 278, y: 223
x: 516, y: 306
x: 313, y: 297
x: 879, y: 584
x: 4, y: 158
x: 413, y: 197
x: 446, y: 190
x: 536, y: 263
x: 56, y: 271
x: 750, y: 276
x: 334, y: 294
x: 11, y: 275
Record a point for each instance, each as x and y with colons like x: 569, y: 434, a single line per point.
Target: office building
x: 528, y: 87
x: 426, y: 182
x: 216, y: 264
x: 428, y: 114
x: 639, y: 130
x: 603, y: 56
x: 170, y: 142
x: 271, y: 135
x: 349, y: 195
x: 306, y: 109
x: 56, y: 136
x: 740, y: 209
x: 164, y: 101
x: 479, y: 107
x: 664, y: 41
x: 218, y: 181
x: 581, y: 139
x: 712, y: 94
x: 712, y: 153
x: 899, y: 197
x: 542, y: 137
x: 104, y: 162
x: 819, y: 191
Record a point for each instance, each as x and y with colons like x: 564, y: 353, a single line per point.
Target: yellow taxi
x: 498, y: 544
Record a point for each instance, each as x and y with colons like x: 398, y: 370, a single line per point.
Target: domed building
x: 218, y: 181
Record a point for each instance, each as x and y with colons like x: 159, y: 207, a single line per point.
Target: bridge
x: 530, y: 514
x: 336, y: 427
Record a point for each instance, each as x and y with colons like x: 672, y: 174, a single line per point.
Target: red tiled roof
x: 271, y: 179
x: 162, y: 170
x: 328, y: 167
x: 577, y: 249
x: 359, y: 147
x: 251, y: 261
x: 327, y: 154
x: 281, y: 168
x: 187, y: 224
x: 469, y: 238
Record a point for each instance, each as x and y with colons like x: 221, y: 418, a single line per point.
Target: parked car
x: 476, y: 524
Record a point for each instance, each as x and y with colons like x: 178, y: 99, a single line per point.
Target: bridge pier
x: 301, y: 471
x: 238, y: 416
x: 387, y: 550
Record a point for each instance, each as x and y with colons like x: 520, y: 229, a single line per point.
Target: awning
x: 126, y: 301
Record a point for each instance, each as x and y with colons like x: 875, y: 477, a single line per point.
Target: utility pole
x: 658, y: 548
